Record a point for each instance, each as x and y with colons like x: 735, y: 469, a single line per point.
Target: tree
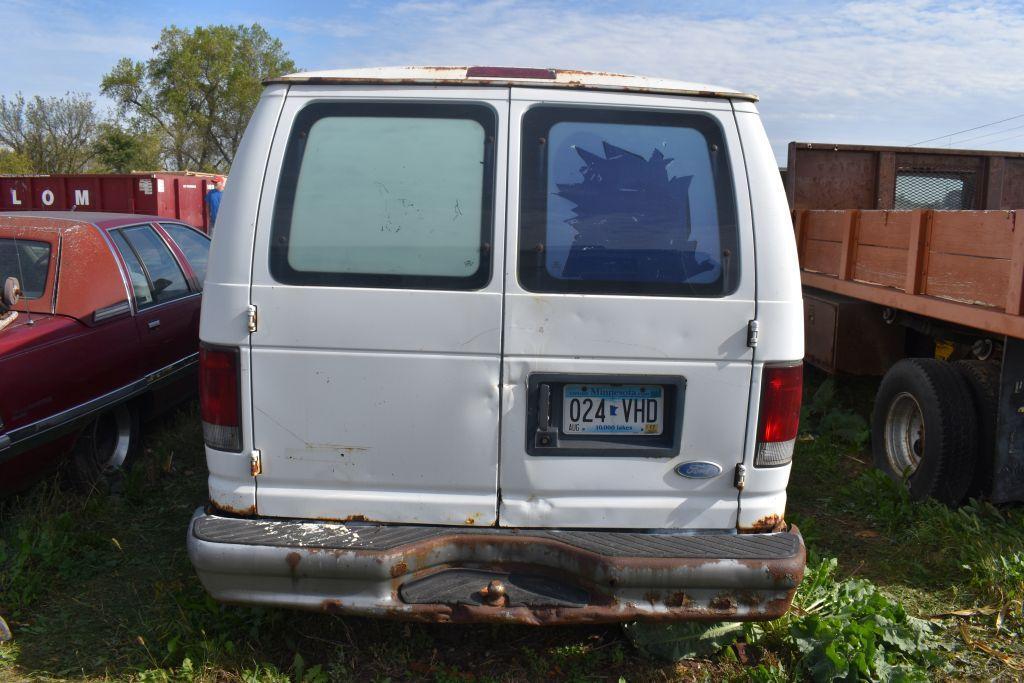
x: 12, y: 162
x: 198, y: 90
x: 51, y: 134
x: 120, y: 150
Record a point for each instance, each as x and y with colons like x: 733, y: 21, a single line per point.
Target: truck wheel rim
x: 113, y: 438
x: 904, y: 434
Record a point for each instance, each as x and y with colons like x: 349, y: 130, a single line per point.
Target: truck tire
x: 983, y: 379
x: 922, y: 397
x: 106, y: 448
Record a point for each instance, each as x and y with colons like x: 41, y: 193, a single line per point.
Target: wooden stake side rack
x: 962, y: 267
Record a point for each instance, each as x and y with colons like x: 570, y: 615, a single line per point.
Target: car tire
x: 922, y: 397
x: 983, y: 379
x: 106, y: 448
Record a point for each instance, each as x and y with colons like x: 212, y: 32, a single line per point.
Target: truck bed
x: 963, y: 267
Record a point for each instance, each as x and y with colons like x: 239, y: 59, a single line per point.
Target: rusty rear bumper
x: 533, y: 576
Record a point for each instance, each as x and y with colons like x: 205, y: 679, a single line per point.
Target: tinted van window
x: 389, y: 195
x: 626, y: 202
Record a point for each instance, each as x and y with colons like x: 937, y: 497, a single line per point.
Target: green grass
x: 100, y: 588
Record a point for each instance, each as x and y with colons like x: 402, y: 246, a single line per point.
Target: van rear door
x: 629, y: 289
x: 375, y: 365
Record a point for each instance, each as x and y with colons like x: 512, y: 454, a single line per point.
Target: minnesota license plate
x: 613, y: 409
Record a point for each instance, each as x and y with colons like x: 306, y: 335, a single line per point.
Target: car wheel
x: 924, y: 431
x: 106, y: 447
x: 983, y: 379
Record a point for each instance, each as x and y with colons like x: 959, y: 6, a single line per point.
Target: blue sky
x: 871, y: 72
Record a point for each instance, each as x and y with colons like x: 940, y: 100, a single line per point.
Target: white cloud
x: 889, y: 66
x: 52, y: 48
x: 863, y: 71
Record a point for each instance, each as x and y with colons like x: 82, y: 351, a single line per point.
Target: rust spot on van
x: 679, y: 599
x: 241, y: 512
x: 471, y: 520
x: 772, y: 523
x: 723, y: 602
x: 343, y: 520
x: 399, y: 570
x: 293, y: 559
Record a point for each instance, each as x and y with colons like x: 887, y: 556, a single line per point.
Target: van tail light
x: 779, y: 419
x: 220, y: 397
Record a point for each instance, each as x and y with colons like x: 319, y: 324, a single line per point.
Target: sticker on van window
x: 629, y: 214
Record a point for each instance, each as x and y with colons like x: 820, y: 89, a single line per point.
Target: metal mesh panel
x: 949, y: 190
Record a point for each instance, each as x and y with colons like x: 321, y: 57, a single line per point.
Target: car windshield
x: 27, y: 260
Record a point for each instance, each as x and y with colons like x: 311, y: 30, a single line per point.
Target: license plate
x: 613, y: 409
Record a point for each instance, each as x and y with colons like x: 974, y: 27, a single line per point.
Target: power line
x: 1012, y: 137
x: 967, y: 130
x: 988, y: 135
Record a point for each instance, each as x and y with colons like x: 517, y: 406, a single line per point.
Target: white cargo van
x: 492, y: 344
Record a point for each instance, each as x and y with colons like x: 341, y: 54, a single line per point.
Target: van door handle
x: 544, y: 408
x: 153, y: 324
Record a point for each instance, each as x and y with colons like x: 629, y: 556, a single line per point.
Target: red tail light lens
x: 220, y: 398
x: 779, y: 419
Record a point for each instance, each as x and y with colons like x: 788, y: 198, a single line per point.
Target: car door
x: 167, y: 304
x: 629, y: 290
x: 378, y: 298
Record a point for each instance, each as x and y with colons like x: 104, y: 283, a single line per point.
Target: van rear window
x: 626, y: 202
x: 386, y: 195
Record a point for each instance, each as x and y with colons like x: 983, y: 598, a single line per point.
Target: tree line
x: 184, y: 108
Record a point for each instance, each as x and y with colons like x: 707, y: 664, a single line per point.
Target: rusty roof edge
x: 513, y: 83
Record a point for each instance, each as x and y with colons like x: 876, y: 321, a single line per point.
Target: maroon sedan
x: 99, y: 323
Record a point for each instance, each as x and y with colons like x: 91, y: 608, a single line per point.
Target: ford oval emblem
x: 698, y: 469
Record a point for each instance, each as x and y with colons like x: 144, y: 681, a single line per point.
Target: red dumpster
x: 170, y: 195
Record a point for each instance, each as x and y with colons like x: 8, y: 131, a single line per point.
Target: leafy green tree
x: 12, y: 162
x: 198, y: 90
x: 49, y: 134
x: 120, y: 150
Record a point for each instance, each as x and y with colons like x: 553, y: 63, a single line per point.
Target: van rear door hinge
x: 740, y: 480
x: 252, y: 318
x: 255, y: 464
x: 753, y: 328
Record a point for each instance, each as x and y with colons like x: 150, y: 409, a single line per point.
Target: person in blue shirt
x: 213, y: 199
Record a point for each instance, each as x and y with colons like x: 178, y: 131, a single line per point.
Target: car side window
x: 160, y: 271
x: 140, y: 283
x: 193, y: 244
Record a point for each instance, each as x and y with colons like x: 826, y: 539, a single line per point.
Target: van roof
x: 511, y: 76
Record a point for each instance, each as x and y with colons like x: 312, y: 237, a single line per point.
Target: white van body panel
x: 779, y: 305
x: 703, y: 340
x: 376, y: 404
x: 223, y: 320
x: 330, y: 366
